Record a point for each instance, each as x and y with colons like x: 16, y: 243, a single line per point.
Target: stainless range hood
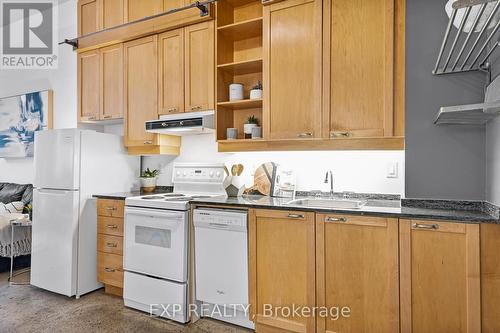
x: 179, y: 124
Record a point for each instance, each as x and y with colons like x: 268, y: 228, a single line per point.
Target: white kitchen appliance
x: 70, y: 166
x: 221, y: 262
x: 156, y: 242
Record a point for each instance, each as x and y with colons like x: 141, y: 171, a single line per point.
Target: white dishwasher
x: 221, y: 261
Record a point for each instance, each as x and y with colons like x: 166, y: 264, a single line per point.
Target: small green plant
x: 252, y: 120
x: 28, y: 209
x: 258, y: 86
x: 149, y: 173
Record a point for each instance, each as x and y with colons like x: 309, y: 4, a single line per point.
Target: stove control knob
x: 217, y: 174
x: 178, y: 173
x: 211, y: 173
x: 184, y: 173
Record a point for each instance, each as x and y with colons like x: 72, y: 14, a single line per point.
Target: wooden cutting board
x: 263, y: 179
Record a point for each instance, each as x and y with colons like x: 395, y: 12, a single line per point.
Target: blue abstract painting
x: 20, y: 117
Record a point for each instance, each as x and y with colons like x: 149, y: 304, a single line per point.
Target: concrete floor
x: 26, y: 309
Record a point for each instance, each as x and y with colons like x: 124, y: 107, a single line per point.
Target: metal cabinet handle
x: 172, y: 110
x: 111, y: 208
x: 109, y: 270
x: 305, y: 135
x: 296, y: 216
x: 426, y: 226
x: 107, y: 117
x: 197, y: 107
x: 112, y: 226
x: 340, y: 134
x: 91, y: 118
x: 109, y: 244
x: 148, y: 142
x: 336, y: 219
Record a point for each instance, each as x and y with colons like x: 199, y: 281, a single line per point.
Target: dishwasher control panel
x: 220, y: 218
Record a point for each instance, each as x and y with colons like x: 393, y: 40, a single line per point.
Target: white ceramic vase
x: 148, y: 184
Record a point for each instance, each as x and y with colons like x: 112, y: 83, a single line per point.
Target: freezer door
x: 54, y: 240
x: 57, y: 159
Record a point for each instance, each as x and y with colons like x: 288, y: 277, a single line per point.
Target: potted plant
x: 148, y: 180
x: 247, y: 127
x: 256, y: 91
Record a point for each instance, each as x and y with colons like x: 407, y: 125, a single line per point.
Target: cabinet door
x: 112, y: 82
x: 292, y: 69
x: 88, y: 85
x: 112, y: 13
x: 199, y: 67
x: 138, y: 9
x: 440, y: 277
x: 282, y: 269
x: 357, y: 269
x: 140, y: 89
x: 88, y: 18
x: 171, y: 72
x: 359, y: 47
x: 173, y: 4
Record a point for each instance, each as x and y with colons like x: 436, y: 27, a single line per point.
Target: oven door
x: 156, y: 243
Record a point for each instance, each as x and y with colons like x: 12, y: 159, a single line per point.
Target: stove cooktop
x: 177, y: 201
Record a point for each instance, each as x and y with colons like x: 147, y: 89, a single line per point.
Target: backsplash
x: 356, y: 171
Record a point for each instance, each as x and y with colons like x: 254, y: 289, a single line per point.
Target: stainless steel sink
x: 329, y: 203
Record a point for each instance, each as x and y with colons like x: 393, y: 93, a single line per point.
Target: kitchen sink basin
x: 329, y: 203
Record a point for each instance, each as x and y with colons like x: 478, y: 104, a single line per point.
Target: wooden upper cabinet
x: 88, y: 18
x: 199, y: 66
x: 171, y: 72
x: 88, y: 85
x: 282, y: 268
x: 357, y: 267
x: 112, y: 13
x: 140, y: 89
x: 359, y: 67
x: 138, y: 9
x: 111, y: 86
x: 292, y: 69
x: 440, y: 277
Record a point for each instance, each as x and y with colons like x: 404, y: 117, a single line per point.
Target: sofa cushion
x: 12, y: 192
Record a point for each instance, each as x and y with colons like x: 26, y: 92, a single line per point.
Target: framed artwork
x: 20, y: 117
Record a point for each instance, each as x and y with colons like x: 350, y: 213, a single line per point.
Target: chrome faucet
x: 330, y: 173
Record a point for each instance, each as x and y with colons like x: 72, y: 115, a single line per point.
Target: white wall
x: 493, y: 161
x: 62, y: 81
x: 358, y: 171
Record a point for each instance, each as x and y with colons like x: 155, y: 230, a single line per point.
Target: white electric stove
x: 156, y: 242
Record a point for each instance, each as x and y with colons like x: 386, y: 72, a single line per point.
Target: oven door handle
x: 154, y: 213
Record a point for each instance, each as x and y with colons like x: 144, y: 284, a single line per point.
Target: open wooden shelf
x: 242, y: 30
x: 242, y: 104
x: 242, y: 67
x: 241, y: 145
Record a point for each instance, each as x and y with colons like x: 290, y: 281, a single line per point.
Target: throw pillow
x: 13, y: 207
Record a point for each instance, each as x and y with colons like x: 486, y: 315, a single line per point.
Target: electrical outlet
x: 392, y: 170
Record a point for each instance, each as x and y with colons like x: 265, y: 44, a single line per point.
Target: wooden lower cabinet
x: 357, y: 273
x: 110, y: 223
x: 440, y: 277
x: 282, y: 269
x: 377, y: 274
x: 490, y: 278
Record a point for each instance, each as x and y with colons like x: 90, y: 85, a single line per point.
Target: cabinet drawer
x: 110, y: 269
x: 110, y: 226
x: 112, y: 208
x: 110, y: 244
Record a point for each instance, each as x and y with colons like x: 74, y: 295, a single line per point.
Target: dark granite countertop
x: 374, y: 207
x: 125, y: 195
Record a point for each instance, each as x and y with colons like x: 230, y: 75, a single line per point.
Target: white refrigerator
x: 70, y: 166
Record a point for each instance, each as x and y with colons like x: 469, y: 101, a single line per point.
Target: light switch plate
x: 392, y: 170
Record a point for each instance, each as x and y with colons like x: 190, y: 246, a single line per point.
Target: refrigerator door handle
x: 53, y: 191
